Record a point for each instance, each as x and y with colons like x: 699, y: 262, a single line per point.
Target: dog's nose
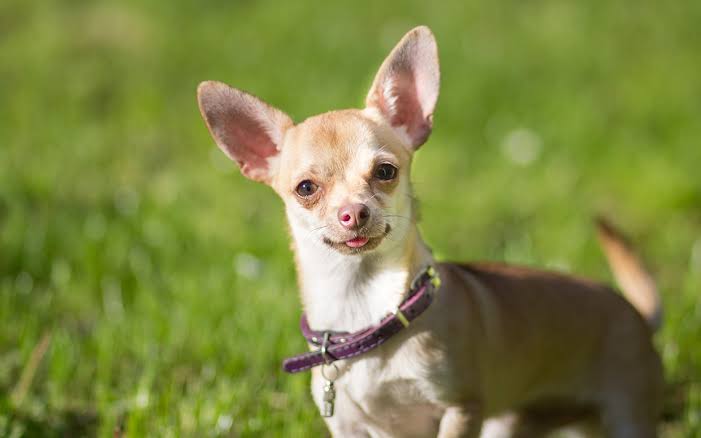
x: 353, y: 216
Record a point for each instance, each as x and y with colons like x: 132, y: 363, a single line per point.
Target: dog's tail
x: 637, y: 284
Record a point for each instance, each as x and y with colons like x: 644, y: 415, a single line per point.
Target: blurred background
x: 145, y: 286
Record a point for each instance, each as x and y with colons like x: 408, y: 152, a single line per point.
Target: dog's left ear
x: 405, y: 89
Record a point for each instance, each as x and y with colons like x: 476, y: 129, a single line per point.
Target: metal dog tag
x: 328, y: 399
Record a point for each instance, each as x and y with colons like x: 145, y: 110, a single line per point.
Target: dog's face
x: 343, y: 175
x: 345, y: 181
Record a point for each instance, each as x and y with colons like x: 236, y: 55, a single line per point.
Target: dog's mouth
x: 358, y: 243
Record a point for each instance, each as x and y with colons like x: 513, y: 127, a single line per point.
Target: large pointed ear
x: 247, y: 129
x: 405, y: 89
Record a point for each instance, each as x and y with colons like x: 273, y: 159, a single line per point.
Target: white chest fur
x: 385, y: 392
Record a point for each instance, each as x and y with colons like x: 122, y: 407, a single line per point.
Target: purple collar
x: 335, y: 346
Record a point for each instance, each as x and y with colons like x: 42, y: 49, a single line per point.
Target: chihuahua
x: 501, y: 350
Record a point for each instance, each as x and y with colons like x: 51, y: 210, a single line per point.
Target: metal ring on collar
x: 324, y: 352
x: 419, y: 277
x: 324, y: 367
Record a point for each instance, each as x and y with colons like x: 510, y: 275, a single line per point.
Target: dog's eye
x: 385, y: 172
x: 306, y: 188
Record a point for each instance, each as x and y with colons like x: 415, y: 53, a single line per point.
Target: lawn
x: 145, y: 286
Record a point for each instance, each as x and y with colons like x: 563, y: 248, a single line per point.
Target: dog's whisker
x: 393, y: 216
x: 318, y: 228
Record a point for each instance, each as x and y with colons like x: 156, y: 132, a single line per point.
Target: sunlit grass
x: 162, y: 281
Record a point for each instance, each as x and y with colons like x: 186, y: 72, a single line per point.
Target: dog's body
x: 522, y: 350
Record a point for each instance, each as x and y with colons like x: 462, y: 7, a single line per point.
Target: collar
x: 333, y: 346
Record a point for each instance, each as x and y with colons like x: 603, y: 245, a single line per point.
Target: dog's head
x: 344, y: 175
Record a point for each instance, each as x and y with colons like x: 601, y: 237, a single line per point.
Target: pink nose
x: 353, y: 216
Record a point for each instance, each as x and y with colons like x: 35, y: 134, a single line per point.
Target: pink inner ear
x: 247, y: 141
x: 247, y: 129
x: 400, y: 102
x: 405, y: 89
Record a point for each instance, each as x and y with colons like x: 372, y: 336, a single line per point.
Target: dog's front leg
x: 461, y: 421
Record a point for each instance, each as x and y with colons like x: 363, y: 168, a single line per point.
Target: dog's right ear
x: 248, y: 130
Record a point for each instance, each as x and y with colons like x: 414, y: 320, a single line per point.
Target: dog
x: 499, y: 350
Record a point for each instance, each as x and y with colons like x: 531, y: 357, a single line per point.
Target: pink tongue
x: 357, y: 242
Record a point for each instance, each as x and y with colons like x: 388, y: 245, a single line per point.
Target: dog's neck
x: 347, y: 293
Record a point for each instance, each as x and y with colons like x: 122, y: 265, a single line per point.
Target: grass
x: 146, y: 286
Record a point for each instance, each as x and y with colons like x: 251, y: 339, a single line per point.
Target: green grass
x: 162, y: 280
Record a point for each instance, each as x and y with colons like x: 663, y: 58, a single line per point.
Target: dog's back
x: 572, y: 343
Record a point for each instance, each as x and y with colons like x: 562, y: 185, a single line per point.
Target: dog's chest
x: 389, y: 393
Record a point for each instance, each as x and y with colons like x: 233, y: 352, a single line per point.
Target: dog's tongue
x: 357, y: 242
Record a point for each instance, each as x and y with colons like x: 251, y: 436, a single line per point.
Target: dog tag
x: 328, y: 399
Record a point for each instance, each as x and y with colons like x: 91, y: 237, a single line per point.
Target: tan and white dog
x: 502, y: 350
